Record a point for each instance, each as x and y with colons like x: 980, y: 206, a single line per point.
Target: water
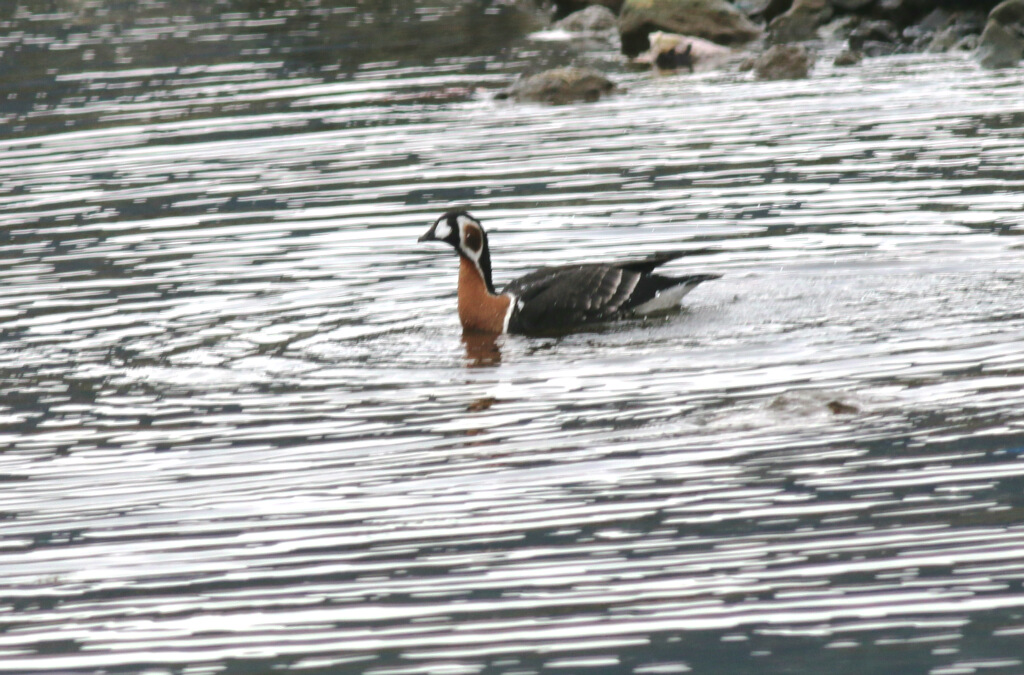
x: 242, y: 431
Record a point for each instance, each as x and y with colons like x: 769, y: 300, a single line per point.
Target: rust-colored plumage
x: 479, y: 310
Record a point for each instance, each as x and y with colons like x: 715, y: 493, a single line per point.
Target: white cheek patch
x: 470, y: 237
x: 442, y: 229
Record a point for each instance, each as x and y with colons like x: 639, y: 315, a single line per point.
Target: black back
x: 555, y: 299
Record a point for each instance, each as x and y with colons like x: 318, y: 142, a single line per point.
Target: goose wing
x: 554, y: 298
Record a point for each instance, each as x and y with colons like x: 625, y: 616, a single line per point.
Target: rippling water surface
x: 242, y: 431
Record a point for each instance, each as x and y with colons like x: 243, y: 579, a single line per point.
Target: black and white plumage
x: 559, y: 298
x: 556, y: 299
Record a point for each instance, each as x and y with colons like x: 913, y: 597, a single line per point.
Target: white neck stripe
x: 508, y: 313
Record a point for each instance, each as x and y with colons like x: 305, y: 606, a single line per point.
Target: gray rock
x: 937, y: 19
x: 715, y: 20
x: 784, y: 62
x: 1008, y: 12
x: 1000, y: 46
x: 943, y: 41
x: 850, y: 5
x: 560, y: 86
x: 1002, y: 42
x: 897, y: 7
x: 875, y: 38
x: 873, y: 32
x: 848, y: 57
x: 873, y: 48
x: 751, y: 7
x: 566, y: 7
x: 763, y: 10
x: 971, y: 21
x: 968, y: 43
x: 920, y: 34
x: 593, y: 19
x: 837, y: 30
x: 941, y: 31
x: 800, y: 22
x: 906, y: 12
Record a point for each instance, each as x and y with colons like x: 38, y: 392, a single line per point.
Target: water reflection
x: 75, y: 64
x: 240, y: 432
x: 482, y: 349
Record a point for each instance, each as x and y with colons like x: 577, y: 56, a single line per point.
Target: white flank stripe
x: 508, y: 314
x: 666, y: 299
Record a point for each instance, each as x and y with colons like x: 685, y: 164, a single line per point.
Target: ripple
x: 243, y: 430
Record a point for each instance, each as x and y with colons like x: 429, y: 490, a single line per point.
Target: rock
x: 751, y: 7
x: 874, y: 48
x: 484, y: 403
x: 941, y: 31
x: 674, y: 59
x: 1002, y: 44
x: 806, y: 404
x: 671, y: 52
x: 762, y: 10
x: 968, y: 43
x: 714, y: 20
x: 800, y: 22
x: 566, y: 7
x: 848, y: 57
x: 896, y: 5
x: 1008, y: 12
x: 927, y: 15
x: 875, y: 38
x: 901, y: 12
x: 837, y: 30
x: 850, y: 5
x: 873, y: 31
x: 560, y: 86
x: 943, y: 41
x: 840, y: 408
x: 921, y: 34
x: 784, y: 62
x: 593, y: 19
x: 936, y: 20
x: 970, y: 22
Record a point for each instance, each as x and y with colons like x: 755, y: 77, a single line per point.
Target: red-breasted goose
x: 555, y: 299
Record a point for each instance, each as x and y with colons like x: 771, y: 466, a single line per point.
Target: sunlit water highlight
x: 242, y: 430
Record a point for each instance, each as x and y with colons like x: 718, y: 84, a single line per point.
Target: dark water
x: 242, y: 432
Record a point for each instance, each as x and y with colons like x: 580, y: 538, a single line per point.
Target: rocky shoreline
x: 776, y: 39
